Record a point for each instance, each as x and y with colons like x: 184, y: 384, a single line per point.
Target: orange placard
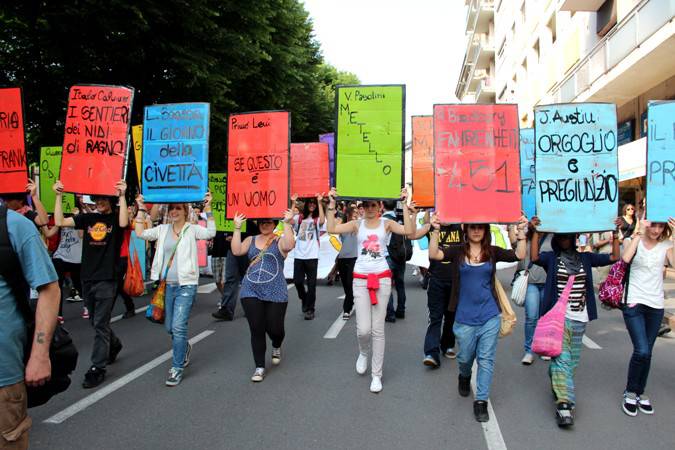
x: 423, y: 160
x: 96, y: 138
x: 310, y: 170
x: 258, y: 150
x: 13, y: 167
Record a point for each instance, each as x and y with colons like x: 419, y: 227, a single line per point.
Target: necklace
x: 474, y: 258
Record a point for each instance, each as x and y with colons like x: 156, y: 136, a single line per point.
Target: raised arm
x: 238, y: 247
x: 408, y: 227
x: 287, y: 241
x: 629, y: 252
x: 210, y: 231
x: 332, y: 226
x: 121, y: 187
x: 521, y: 238
x: 42, y: 218
x: 434, y: 252
x: 319, y: 204
x: 59, y: 220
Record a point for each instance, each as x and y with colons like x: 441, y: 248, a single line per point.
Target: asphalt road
x: 315, y: 399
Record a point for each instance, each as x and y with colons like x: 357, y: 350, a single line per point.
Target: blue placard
x: 527, y: 181
x: 576, y: 167
x: 661, y: 161
x: 175, y: 152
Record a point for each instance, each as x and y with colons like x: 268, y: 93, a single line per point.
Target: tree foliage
x: 238, y: 56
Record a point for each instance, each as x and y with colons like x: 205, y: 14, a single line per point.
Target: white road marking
x: 289, y: 286
x: 588, y: 342
x: 335, y: 329
x: 491, y: 430
x: 117, y: 384
x: 206, y: 288
x: 118, y: 318
x: 342, y: 297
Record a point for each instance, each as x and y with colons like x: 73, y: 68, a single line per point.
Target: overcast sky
x: 418, y: 43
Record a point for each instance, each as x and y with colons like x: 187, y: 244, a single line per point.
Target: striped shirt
x: 576, y: 303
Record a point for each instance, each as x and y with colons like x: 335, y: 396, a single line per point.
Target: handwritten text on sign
x: 527, y: 182
x: 309, y: 169
x: 13, y: 167
x: 175, y: 152
x: 476, y: 164
x: 369, y: 140
x: 258, y: 164
x: 96, y: 138
x: 576, y: 166
x: 218, y: 188
x: 661, y: 161
x: 423, y: 160
x: 50, y: 161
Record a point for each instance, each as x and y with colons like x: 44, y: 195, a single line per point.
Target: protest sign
x: 258, y: 164
x: 137, y: 144
x: 527, y: 181
x: 50, y: 163
x: 175, y: 152
x: 423, y: 160
x: 329, y: 248
x: 329, y: 138
x: 477, y: 163
x: 137, y: 245
x: 218, y: 188
x: 660, y: 161
x: 309, y: 169
x: 576, y: 168
x: 202, y: 251
x: 369, y: 141
x: 13, y: 166
x: 96, y: 138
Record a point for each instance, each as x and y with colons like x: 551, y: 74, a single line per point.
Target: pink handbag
x: 548, y: 336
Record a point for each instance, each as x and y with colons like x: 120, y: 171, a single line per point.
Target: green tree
x: 235, y: 55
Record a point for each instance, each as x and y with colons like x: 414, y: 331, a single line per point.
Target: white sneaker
x: 545, y: 358
x: 258, y: 375
x: 362, y: 364
x: 276, y: 356
x: 528, y: 359
x: 346, y: 315
x: 376, y: 385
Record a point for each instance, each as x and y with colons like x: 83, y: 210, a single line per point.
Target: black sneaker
x: 431, y: 361
x: 480, y: 411
x: 93, y: 377
x: 221, y: 314
x: 309, y: 315
x: 464, y: 386
x: 390, y: 319
x: 630, y: 403
x: 128, y: 314
x: 564, y: 415
x: 400, y: 315
x: 115, y: 349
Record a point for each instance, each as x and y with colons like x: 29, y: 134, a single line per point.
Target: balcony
x: 485, y: 93
x: 635, y: 55
x: 581, y: 5
x: 480, y: 53
x: 479, y: 15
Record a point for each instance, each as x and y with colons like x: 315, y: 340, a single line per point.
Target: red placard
x: 96, y: 138
x: 258, y: 149
x: 423, y: 160
x: 13, y: 167
x: 310, y: 170
x: 476, y: 163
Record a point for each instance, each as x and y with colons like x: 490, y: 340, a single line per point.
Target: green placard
x: 218, y: 188
x: 369, y: 141
x: 50, y: 164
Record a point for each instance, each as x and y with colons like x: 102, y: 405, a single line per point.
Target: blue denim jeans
x: 643, y: 325
x: 480, y: 343
x: 398, y: 272
x: 533, y: 296
x: 177, y: 306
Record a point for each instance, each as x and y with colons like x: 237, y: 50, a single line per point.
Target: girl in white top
x: 649, y: 250
x: 372, y: 278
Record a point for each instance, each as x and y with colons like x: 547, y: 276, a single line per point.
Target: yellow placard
x: 137, y: 138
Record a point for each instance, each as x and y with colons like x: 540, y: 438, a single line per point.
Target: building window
x: 536, y: 52
x: 551, y: 27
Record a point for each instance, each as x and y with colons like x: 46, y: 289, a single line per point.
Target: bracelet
x: 330, y: 209
x: 143, y: 209
x: 237, y: 228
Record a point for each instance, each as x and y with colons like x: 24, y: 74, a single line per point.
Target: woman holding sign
x: 474, y: 300
x: 563, y: 265
x: 649, y: 250
x: 372, y: 278
x: 175, y: 262
x: 264, y: 295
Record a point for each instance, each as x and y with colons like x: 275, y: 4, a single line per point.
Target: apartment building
x: 560, y: 51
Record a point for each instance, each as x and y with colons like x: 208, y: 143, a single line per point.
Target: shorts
x: 14, y: 420
x: 218, y: 268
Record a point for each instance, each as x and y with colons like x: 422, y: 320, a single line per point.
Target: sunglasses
x: 173, y: 207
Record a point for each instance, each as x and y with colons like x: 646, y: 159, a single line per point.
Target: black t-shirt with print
x: 449, y: 236
x: 101, y: 245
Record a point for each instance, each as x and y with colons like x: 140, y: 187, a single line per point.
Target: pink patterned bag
x: 612, y: 289
x: 548, y: 336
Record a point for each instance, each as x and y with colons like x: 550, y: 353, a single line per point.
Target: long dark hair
x: 305, y: 208
x: 485, y: 243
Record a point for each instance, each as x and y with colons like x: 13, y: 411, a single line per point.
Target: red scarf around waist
x: 373, y: 283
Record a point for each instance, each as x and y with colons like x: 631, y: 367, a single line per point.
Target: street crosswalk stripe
x: 119, y: 317
x: 117, y: 384
x: 588, y: 342
x: 342, y: 297
x: 206, y: 288
x: 335, y: 329
x: 491, y: 430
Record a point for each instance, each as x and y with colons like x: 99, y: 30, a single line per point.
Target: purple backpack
x: 611, y: 291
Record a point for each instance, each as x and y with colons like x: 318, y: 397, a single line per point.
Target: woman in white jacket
x: 176, y: 262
